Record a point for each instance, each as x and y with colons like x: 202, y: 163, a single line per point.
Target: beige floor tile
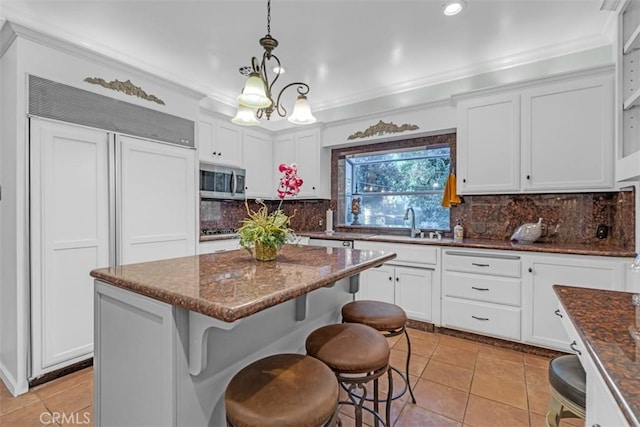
x: 487, y: 413
x: 418, y: 334
x: 34, y: 414
x: 501, y: 353
x: 398, y: 359
x: 415, y: 416
x: 501, y: 390
x: 419, y: 347
x: 73, y: 399
x: 537, y: 389
x: 61, y: 384
x: 501, y: 368
x: 8, y: 403
x: 80, y: 418
x: 538, y: 361
x: 394, y: 340
x: 460, y: 343
x: 441, y: 399
x: 449, y: 375
x: 537, y: 420
x: 455, y: 356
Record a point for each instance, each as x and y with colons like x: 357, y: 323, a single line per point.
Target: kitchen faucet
x: 414, y: 232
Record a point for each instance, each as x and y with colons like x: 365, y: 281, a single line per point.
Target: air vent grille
x: 69, y: 104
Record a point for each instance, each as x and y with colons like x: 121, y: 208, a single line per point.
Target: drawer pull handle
x: 557, y: 312
x: 480, y: 265
x: 484, y: 319
x: 479, y: 289
x: 574, y: 348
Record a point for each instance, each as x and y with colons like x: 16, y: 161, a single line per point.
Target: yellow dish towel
x: 450, y: 193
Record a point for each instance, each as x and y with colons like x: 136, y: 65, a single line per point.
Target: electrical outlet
x: 320, y: 222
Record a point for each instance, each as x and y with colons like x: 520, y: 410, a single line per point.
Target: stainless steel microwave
x: 221, y: 182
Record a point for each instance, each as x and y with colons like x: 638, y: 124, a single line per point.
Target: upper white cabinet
x: 305, y: 149
x: 259, y: 165
x: 567, y: 135
x: 489, y: 144
x: 219, y: 141
x: 551, y: 135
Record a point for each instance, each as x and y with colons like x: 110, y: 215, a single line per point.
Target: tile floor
x: 456, y: 383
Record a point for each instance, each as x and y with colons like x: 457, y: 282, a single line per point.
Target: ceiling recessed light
x: 453, y: 7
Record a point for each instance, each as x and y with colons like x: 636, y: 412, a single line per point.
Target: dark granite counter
x: 232, y: 285
x: 605, y: 321
x: 556, y: 248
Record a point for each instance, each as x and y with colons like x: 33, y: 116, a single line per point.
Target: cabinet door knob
x: 574, y: 348
x: 528, y: 176
x: 214, y: 153
x: 530, y: 270
x: 390, y: 278
x: 557, y: 312
x: 313, y: 188
x: 464, y: 180
x: 397, y: 279
x: 220, y: 154
x: 246, y: 188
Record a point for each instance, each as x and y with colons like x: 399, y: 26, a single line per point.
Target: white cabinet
x: 69, y: 238
x: 408, y: 287
x: 489, y: 144
x: 221, y: 245
x: 259, y: 165
x: 481, y: 292
x: 542, y: 322
x: 602, y: 408
x: 567, y: 134
x: 305, y: 149
x: 410, y: 280
x: 157, y: 188
x: 550, y: 135
x: 219, y: 141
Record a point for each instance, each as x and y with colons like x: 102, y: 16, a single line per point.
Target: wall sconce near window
x: 256, y: 99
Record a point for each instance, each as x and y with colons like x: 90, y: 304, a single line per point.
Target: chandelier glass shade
x: 257, y: 95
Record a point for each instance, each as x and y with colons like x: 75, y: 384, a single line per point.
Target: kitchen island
x: 170, y: 334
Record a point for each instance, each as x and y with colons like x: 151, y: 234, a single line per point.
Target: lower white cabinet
x: 408, y: 287
x: 481, y: 292
x: 409, y: 281
x: 220, y: 245
x: 602, y: 408
x: 542, y: 322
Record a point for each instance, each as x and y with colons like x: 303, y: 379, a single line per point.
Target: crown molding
x: 12, y: 30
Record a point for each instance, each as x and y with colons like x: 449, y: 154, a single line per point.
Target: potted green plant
x: 262, y: 232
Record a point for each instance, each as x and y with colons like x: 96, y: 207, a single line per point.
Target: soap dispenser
x: 458, y: 232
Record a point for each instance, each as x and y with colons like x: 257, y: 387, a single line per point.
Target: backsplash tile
x: 230, y: 213
x: 568, y: 218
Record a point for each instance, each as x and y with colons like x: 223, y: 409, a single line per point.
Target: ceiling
x: 348, y: 51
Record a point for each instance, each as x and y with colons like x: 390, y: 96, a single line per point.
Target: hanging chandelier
x: 256, y: 100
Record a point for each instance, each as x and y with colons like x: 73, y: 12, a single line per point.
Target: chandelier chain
x: 269, y: 17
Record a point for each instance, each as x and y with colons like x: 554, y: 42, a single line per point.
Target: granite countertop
x: 605, y: 320
x: 557, y: 248
x: 231, y: 285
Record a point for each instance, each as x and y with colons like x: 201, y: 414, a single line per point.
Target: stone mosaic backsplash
x: 309, y: 215
x: 567, y: 218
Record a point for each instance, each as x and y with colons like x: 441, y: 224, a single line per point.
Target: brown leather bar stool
x: 357, y: 354
x: 387, y: 318
x: 568, y: 389
x: 288, y: 390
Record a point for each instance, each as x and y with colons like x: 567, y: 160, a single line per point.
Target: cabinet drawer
x: 476, y: 262
x: 499, y: 290
x: 412, y: 253
x: 488, y: 319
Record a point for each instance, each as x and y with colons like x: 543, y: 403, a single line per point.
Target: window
x: 382, y: 185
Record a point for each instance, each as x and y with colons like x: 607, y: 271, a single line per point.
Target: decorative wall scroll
x: 381, y: 128
x: 127, y: 88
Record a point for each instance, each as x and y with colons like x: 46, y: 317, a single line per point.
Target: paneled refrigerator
x: 97, y: 198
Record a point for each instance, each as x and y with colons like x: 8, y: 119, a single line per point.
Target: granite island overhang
x: 170, y: 334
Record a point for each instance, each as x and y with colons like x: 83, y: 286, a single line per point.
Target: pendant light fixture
x: 256, y: 100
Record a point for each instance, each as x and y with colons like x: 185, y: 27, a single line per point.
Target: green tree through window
x: 387, y: 183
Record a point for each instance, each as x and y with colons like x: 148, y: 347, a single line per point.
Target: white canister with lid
x: 458, y: 232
